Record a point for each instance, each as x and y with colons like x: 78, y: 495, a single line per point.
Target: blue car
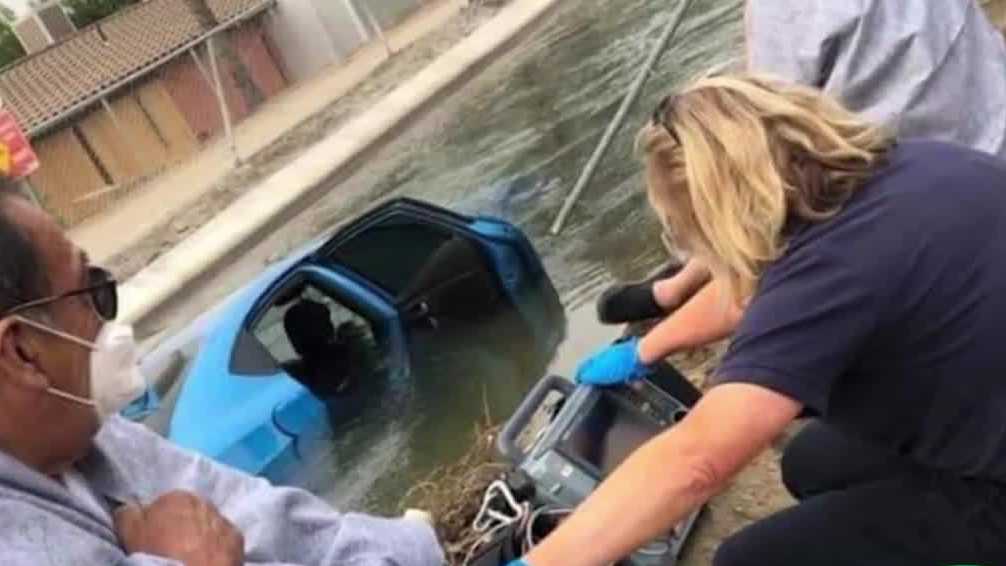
x: 293, y: 351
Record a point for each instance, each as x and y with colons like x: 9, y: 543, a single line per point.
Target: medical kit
x: 584, y: 433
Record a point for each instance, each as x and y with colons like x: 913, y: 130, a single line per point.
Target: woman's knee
x: 821, y: 459
x: 802, y: 461
x: 743, y: 549
x: 728, y: 555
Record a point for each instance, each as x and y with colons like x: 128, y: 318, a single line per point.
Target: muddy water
x: 511, y: 143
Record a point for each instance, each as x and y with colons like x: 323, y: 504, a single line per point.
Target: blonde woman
x: 900, y: 64
x: 873, y: 277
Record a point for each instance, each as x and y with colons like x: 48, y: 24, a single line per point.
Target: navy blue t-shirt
x: 889, y: 320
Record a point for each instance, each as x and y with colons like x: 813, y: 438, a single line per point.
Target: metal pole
x: 361, y: 28
x: 202, y: 68
x: 218, y: 89
x: 115, y: 118
x: 623, y: 112
x: 377, y: 27
x: 133, y: 146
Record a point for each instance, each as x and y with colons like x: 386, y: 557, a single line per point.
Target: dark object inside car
x: 455, y: 284
x: 331, y: 361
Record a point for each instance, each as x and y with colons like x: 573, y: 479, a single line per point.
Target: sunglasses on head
x: 662, y: 115
x: 101, y: 289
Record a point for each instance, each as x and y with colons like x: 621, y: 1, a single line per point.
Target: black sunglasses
x: 661, y: 115
x: 101, y: 287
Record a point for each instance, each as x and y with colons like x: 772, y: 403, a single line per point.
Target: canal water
x: 511, y: 143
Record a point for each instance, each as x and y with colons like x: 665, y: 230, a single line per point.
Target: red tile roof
x: 44, y: 86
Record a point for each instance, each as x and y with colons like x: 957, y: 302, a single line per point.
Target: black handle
x: 507, y: 442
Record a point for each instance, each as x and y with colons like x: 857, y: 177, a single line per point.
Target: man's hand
x: 180, y: 526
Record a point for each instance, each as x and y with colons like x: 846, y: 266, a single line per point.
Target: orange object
x: 17, y: 158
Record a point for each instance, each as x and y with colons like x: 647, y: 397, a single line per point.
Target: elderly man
x: 79, y: 485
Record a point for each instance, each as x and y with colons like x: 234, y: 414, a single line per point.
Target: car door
x: 441, y: 269
x: 262, y: 415
x: 348, y: 302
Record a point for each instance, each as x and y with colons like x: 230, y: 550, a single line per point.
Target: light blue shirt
x: 58, y: 522
x: 926, y: 68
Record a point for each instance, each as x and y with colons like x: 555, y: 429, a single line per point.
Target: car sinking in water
x: 291, y: 355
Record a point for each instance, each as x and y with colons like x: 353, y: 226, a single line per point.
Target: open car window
x: 309, y: 334
x: 390, y: 254
x: 436, y: 274
x: 271, y: 333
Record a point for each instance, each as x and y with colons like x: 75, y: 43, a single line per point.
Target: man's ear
x: 19, y: 355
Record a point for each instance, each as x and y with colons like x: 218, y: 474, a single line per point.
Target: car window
x: 270, y: 332
x: 391, y: 253
x: 318, y: 340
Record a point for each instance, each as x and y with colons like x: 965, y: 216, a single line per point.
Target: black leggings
x: 860, y: 506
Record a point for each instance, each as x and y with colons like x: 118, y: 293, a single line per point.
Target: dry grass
x: 453, y: 494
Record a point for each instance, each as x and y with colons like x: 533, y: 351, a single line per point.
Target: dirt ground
x: 396, y: 70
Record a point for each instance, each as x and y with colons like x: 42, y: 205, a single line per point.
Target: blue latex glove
x: 616, y: 364
x: 518, y: 562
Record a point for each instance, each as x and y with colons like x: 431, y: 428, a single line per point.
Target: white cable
x: 484, y: 538
x: 486, y: 516
x: 498, y: 487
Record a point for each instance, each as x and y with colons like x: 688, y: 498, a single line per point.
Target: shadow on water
x: 511, y: 144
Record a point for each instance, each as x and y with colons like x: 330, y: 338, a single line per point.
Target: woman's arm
x: 660, y: 484
x: 707, y: 317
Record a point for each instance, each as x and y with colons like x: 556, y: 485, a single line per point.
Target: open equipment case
x: 589, y: 432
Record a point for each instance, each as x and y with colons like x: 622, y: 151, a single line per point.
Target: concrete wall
x: 255, y: 51
x: 344, y: 31
x: 98, y: 157
x: 179, y: 140
x: 300, y: 38
x: 117, y: 154
x: 191, y: 91
x: 313, y: 34
x: 192, y: 94
x: 67, y: 174
x: 390, y: 12
x: 80, y: 162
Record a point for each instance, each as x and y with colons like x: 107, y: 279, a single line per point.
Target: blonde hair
x: 732, y: 160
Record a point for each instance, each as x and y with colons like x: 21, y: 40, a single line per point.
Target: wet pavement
x: 510, y: 143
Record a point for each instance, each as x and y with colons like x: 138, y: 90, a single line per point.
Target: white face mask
x: 115, y: 370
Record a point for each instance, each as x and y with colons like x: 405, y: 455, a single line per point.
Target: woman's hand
x: 616, y: 364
